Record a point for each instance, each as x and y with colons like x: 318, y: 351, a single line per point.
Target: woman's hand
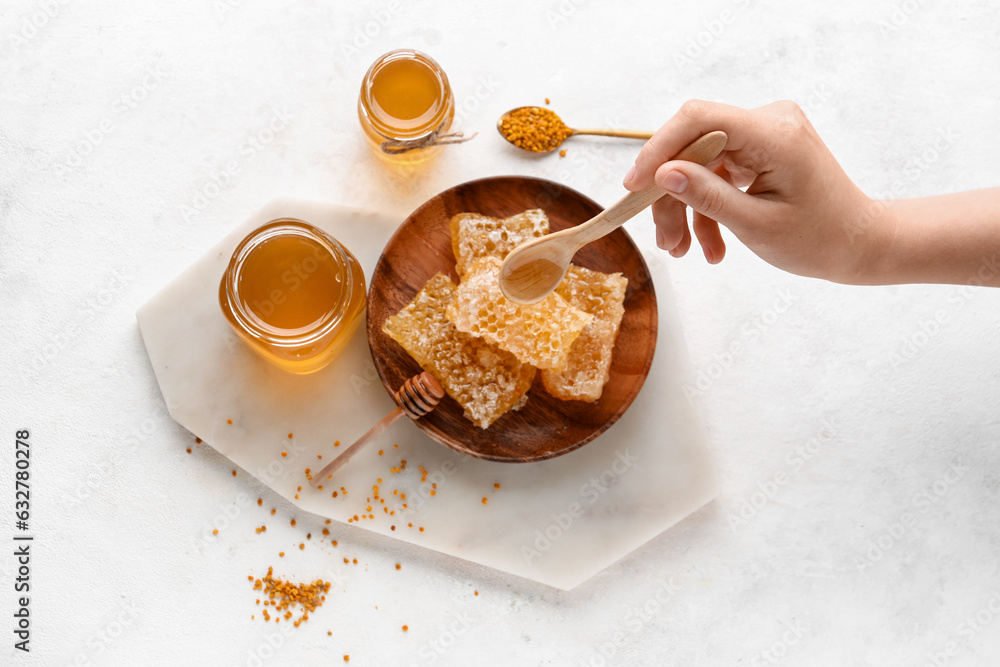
x: 800, y: 213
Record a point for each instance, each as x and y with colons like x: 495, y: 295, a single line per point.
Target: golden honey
x: 294, y: 294
x: 406, y: 104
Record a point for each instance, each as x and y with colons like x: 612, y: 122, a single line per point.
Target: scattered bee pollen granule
x: 197, y: 441
x: 302, y: 545
x: 281, y: 554
x: 188, y: 450
x: 285, y: 594
x: 260, y: 501
x: 273, y: 510
x: 234, y: 473
x: 496, y: 486
x: 229, y: 421
x: 215, y: 532
x: 284, y: 453
x: 293, y: 523
x: 485, y: 500
x: 398, y: 566
x: 406, y: 628
x: 290, y: 436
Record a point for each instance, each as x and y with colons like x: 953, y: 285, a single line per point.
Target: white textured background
x: 897, y: 413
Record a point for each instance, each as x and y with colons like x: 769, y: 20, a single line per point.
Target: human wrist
x: 872, y: 244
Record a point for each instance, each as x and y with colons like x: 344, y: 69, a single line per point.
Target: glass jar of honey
x: 406, y: 107
x: 294, y: 294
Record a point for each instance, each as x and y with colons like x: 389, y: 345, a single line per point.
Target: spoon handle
x: 702, y: 150
x: 627, y: 134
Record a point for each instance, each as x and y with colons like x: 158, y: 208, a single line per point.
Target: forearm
x: 951, y: 238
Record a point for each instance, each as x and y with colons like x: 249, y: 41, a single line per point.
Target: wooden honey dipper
x: 418, y: 396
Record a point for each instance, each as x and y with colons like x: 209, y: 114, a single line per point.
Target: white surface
x: 557, y: 522
x: 117, y: 502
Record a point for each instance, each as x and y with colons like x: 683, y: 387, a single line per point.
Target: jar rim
x: 273, y: 335
x: 380, y: 121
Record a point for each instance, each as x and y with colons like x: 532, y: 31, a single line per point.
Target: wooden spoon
x: 569, y: 131
x: 418, y: 396
x: 533, y: 269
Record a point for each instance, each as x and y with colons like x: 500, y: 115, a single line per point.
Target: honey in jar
x: 406, y: 107
x: 294, y: 293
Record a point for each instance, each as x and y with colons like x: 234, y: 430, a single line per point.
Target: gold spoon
x: 559, y: 130
x: 533, y: 269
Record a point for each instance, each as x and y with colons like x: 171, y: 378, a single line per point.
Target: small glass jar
x: 406, y: 102
x: 294, y: 294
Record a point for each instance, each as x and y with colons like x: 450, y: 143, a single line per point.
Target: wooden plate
x: 545, y: 427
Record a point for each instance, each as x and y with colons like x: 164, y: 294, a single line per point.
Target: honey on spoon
x: 533, y: 269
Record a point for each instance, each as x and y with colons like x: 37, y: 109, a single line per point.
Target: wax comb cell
x: 485, y: 380
x: 539, y: 334
x: 474, y: 236
x: 588, y: 366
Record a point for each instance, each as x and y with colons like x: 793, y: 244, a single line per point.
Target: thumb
x: 709, y: 194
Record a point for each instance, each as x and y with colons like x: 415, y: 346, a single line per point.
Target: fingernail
x: 659, y: 239
x: 629, y: 176
x: 709, y: 255
x: 675, y: 182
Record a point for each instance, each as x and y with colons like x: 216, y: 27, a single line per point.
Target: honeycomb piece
x: 485, y: 380
x: 601, y: 295
x: 474, y: 236
x: 539, y: 334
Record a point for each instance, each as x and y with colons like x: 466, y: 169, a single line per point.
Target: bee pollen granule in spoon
x: 534, y: 129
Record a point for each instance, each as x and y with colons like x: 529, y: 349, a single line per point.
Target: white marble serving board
x: 557, y: 521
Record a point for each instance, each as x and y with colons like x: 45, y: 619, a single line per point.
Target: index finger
x: 692, y: 120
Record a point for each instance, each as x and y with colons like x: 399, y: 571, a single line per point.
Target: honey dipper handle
x: 702, y: 150
x: 346, y: 455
